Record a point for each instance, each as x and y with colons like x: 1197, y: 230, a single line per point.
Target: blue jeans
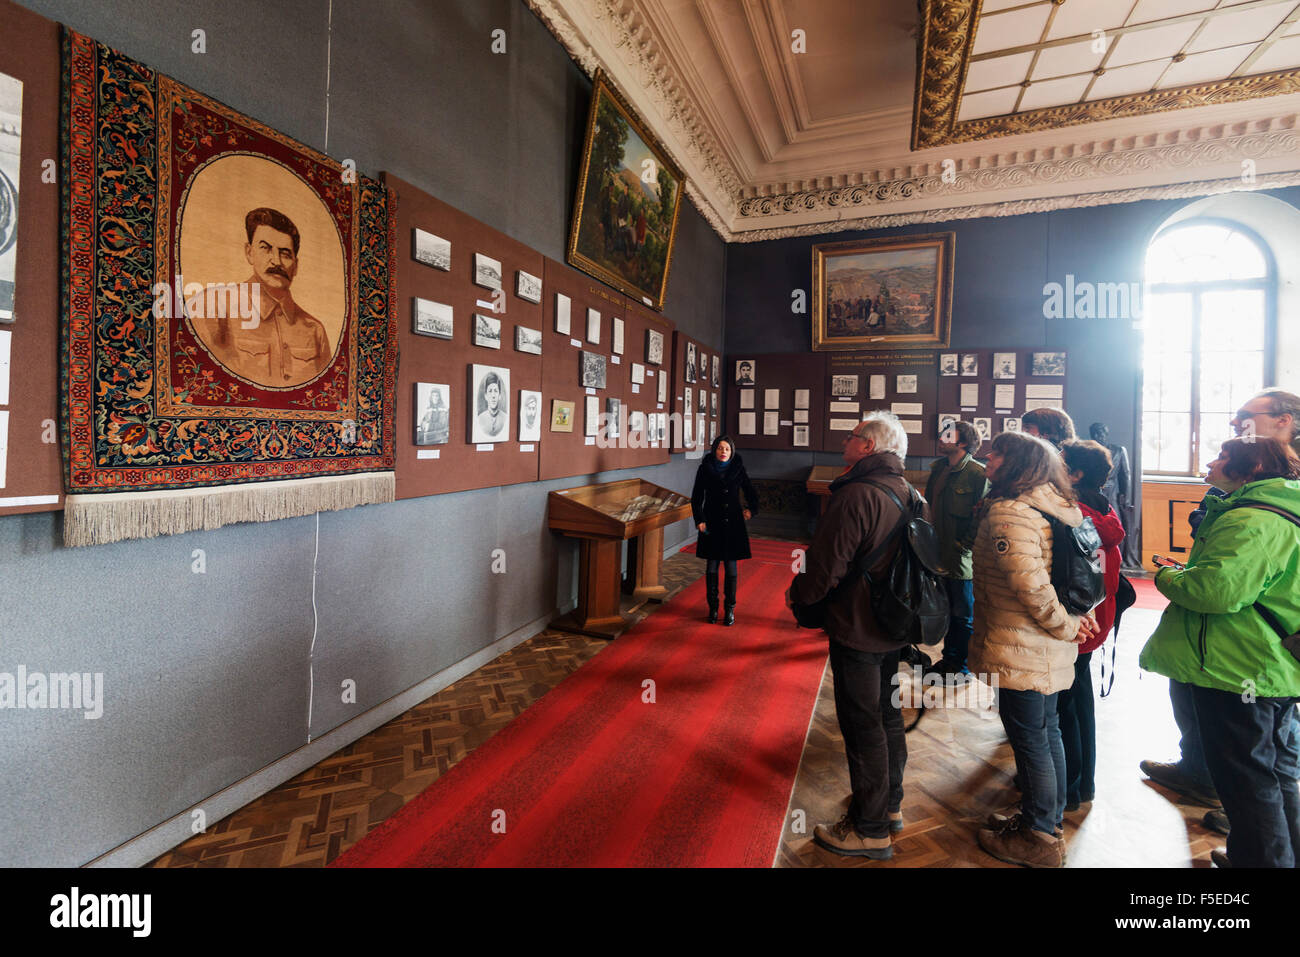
x: 1192, y: 763
x: 961, y: 604
x: 1031, y: 724
x: 1078, y: 720
x: 1251, y: 751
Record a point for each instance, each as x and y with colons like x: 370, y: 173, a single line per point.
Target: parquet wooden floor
x: 959, y: 769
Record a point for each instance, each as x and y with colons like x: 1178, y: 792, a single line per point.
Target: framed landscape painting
x: 891, y: 293
x: 629, y: 194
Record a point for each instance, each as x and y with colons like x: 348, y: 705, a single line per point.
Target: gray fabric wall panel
x: 403, y: 590
x: 203, y: 677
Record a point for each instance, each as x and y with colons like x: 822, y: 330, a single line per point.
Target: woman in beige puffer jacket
x: 1024, y: 638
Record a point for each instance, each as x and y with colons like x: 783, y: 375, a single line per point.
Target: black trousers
x: 711, y: 583
x: 1251, y: 753
x: 874, y: 740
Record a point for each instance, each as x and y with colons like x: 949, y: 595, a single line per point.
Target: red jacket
x: 1111, y: 530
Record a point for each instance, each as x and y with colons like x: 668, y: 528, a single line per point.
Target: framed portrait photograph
x: 487, y: 272
x: 432, y: 413
x: 527, y: 286
x: 746, y: 370
x: 842, y: 385
x: 430, y: 249
x: 1048, y: 363
x: 625, y: 209
x: 616, y: 343
x: 690, y: 362
x: 490, y: 404
x: 528, y: 340
x: 713, y: 403
x: 704, y: 367
x: 984, y: 426
x: 561, y: 415
x: 1004, y: 365
x: 432, y: 318
x: 716, y: 377
x: 1011, y: 424
x: 948, y: 363
x: 654, y: 347
x: 905, y: 384
x: 613, y: 413
x: 530, y: 416
x: 563, y: 311
x: 970, y: 364
x: 688, y: 400
x: 487, y: 331
x: 591, y: 370
x: 883, y: 294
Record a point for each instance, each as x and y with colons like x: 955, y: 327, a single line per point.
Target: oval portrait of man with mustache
x: 270, y: 261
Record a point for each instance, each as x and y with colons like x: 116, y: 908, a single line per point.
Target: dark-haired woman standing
x: 720, y: 516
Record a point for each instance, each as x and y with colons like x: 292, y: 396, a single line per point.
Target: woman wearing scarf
x: 720, y: 517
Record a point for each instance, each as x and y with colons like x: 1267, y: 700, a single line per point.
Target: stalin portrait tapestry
x: 229, y: 346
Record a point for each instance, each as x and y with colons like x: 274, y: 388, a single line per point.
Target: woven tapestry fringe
x: 115, y: 517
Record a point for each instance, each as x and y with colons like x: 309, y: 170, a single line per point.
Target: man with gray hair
x: 861, y: 520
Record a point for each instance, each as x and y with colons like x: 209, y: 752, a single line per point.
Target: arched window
x: 1208, y: 338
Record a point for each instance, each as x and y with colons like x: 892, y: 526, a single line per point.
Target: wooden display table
x: 601, y: 517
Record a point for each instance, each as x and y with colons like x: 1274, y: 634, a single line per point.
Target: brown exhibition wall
x: 785, y: 372
x: 950, y: 386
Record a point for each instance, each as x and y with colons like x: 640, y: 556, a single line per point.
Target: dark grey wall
x: 208, y: 676
x: 1001, y: 266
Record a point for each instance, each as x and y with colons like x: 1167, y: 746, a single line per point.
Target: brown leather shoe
x: 996, y: 822
x: 841, y: 838
x: 1220, y: 857
x: 1017, y: 844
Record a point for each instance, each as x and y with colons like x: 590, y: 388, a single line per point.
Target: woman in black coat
x: 721, y: 518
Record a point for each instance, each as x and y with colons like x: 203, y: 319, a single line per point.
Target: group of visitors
x: 1228, y: 640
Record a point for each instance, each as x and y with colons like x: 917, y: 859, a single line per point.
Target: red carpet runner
x: 593, y: 775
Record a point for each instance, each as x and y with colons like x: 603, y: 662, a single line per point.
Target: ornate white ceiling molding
x: 1022, y: 206
x: 631, y: 42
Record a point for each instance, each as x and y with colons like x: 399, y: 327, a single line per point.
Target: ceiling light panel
x: 1054, y: 92
x: 1284, y: 54
x: 1244, y: 26
x: 1127, y: 80
x: 994, y: 103
x: 1205, y: 67
x: 1016, y: 28
x: 1076, y: 18
x: 1153, y: 44
x: 1065, y: 60
x: 998, y: 71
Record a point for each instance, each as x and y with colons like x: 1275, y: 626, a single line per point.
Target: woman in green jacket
x: 1213, y: 637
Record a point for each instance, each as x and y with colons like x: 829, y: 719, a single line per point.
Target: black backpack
x: 1076, y: 565
x: 909, y: 601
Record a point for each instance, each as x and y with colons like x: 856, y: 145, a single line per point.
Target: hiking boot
x: 996, y: 822
x: 1017, y: 844
x: 1220, y: 857
x: 895, y: 822
x: 1170, y: 775
x: 841, y: 838
x: 1217, y: 820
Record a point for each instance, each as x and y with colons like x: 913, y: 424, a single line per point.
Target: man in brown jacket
x: 864, y: 661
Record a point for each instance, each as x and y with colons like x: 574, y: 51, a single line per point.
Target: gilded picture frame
x: 879, y: 294
x: 629, y: 195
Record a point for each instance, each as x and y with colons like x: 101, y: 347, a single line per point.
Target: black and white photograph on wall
x: 1004, y: 365
x: 487, y: 331
x: 432, y: 413
x: 970, y: 363
x: 688, y: 400
x: 746, y: 369
x: 527, y: 286
x: 800, y: 436
x: 704, y: 367
x: 713, y: 403
x: 663, y: 386
x: 716, y: 377
x: 563, y: 311
x: 1049, y: 363
x: 636, y: 428
x: 430, y: 249
x: 591, y: 423
x: 432, y: 318
x: 613, y: 409
x: 690, y: 362
x: 592, y: 369
x: 1011, y: 424
x: 528, y: 340
x: 617, y: 339
x: 487, y: 272
x: 984, y: 427
x: 654, y: 347
x: 713, y: 432
x: 905, y: 384
x: 638, y: 374
x: 946, y: 421
x: 490, y: 414
x: 948, y: 363
x: 842, y: 385
x: 530, y: 416
x: 593, y: 326
x: 688, y: 432
x: 11, y: 139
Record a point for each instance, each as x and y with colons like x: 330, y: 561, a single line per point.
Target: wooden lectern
x: 601, y: 517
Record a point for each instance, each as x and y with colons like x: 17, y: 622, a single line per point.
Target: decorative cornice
x: 1022, y: 206
x: 947, y: 33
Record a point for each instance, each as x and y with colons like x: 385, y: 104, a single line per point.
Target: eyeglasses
x: 1242, y: 415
